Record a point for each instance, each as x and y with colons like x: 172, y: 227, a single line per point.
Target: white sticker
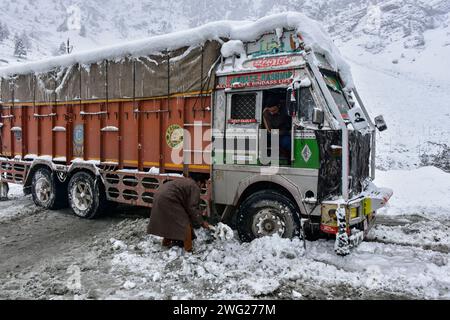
x: 306, y: 153
x: 358, y: 119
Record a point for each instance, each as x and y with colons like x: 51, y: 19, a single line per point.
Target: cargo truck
x: 110, y: 126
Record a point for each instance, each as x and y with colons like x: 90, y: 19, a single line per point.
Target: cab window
x: 243, y: 108
x: 336, y: 91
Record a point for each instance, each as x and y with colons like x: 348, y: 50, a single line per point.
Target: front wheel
x: 267, y: 213
x: 85, y: 198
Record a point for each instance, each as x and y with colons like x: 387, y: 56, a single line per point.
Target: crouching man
x: 176, y: 212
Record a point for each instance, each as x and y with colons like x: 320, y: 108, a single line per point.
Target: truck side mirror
x: 318, y: 117
x: 380, y: 124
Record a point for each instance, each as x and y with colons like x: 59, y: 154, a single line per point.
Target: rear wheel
x: 267, y: 213
x: 85, y: 197
x: 46, y: 192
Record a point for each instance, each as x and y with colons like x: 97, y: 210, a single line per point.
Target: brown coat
x: 175, y: 207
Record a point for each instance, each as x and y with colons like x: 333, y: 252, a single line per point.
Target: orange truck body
x: 121, y: 119
x: 126, y: 133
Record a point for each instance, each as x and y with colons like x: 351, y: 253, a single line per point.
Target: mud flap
x: 4, y: 190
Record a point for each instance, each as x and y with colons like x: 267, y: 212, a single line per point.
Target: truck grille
x: 330, y: 172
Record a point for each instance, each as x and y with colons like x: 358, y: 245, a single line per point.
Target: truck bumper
x: 360, y: 210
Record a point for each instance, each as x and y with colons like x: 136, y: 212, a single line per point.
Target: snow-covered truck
x: 111, y: 125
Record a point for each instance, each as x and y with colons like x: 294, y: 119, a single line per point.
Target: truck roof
x: 312, y: 32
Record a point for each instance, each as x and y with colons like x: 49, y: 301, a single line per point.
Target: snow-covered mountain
x: 398, y: 49
x: 48, y: 23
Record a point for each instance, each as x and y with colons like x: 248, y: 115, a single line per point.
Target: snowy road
x: 54, y: 255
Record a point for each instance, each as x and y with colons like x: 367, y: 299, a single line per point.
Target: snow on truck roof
x: 312, y: 32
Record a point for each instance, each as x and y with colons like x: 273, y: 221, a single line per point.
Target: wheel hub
x: 43, y: 190
x: 268, y: 222
x: 82, y: 196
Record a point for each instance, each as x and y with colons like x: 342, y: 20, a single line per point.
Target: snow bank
x: 15, y: 190
x: 314, y: 35
x: 274, y: 267
x: 17, y: 206
x: 422, y: 191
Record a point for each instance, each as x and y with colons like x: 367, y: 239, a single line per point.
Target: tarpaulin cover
x: 69, y: 84
x: 23, y: 88
x: 45, y: 86
x: 7, y: 90
x: 131, y: 77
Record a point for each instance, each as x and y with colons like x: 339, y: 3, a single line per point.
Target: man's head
x: 199, y: 178
x: 273, y: 109
x: 272, y: 105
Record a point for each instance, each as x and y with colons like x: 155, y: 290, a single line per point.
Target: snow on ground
x: 405, y: 258
x: 424, y: 234
x: 19, y: 206
x: 279, y: 268
x: 15, y: 190
x: 424, y: 191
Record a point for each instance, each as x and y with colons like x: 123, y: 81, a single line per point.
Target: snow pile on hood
x: 315, y: 36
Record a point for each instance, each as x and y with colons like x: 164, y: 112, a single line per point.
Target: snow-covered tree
x: 26, y: 40
x: 20, y: 49
x: 122, y: 27
x: 62, y: 48
x: 83, y: 31
x: 4, y: 32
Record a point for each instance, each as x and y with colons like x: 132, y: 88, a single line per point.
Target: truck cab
x: 293, y: 145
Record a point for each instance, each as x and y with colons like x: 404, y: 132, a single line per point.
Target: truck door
x: 243, y: 120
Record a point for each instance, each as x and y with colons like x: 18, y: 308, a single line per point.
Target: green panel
x: 307, y: 154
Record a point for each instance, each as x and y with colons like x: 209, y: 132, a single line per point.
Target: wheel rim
x: 43, y: 190
x: 268, y: 222
x: 82, y: 196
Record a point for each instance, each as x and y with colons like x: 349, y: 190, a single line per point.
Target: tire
x: 46, y: 192
x: 266, y: 213
x: 85, y: 198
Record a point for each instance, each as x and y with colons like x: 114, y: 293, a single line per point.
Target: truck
x: 110, y: 126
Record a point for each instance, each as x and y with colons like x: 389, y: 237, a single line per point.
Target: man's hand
x: 205, y: 225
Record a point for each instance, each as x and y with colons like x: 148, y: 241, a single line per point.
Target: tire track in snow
x: 419, y: 232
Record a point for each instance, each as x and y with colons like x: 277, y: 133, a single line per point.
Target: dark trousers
x: 186, y: 244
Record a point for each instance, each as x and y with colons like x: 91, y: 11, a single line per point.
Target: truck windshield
x: 336, y: 91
